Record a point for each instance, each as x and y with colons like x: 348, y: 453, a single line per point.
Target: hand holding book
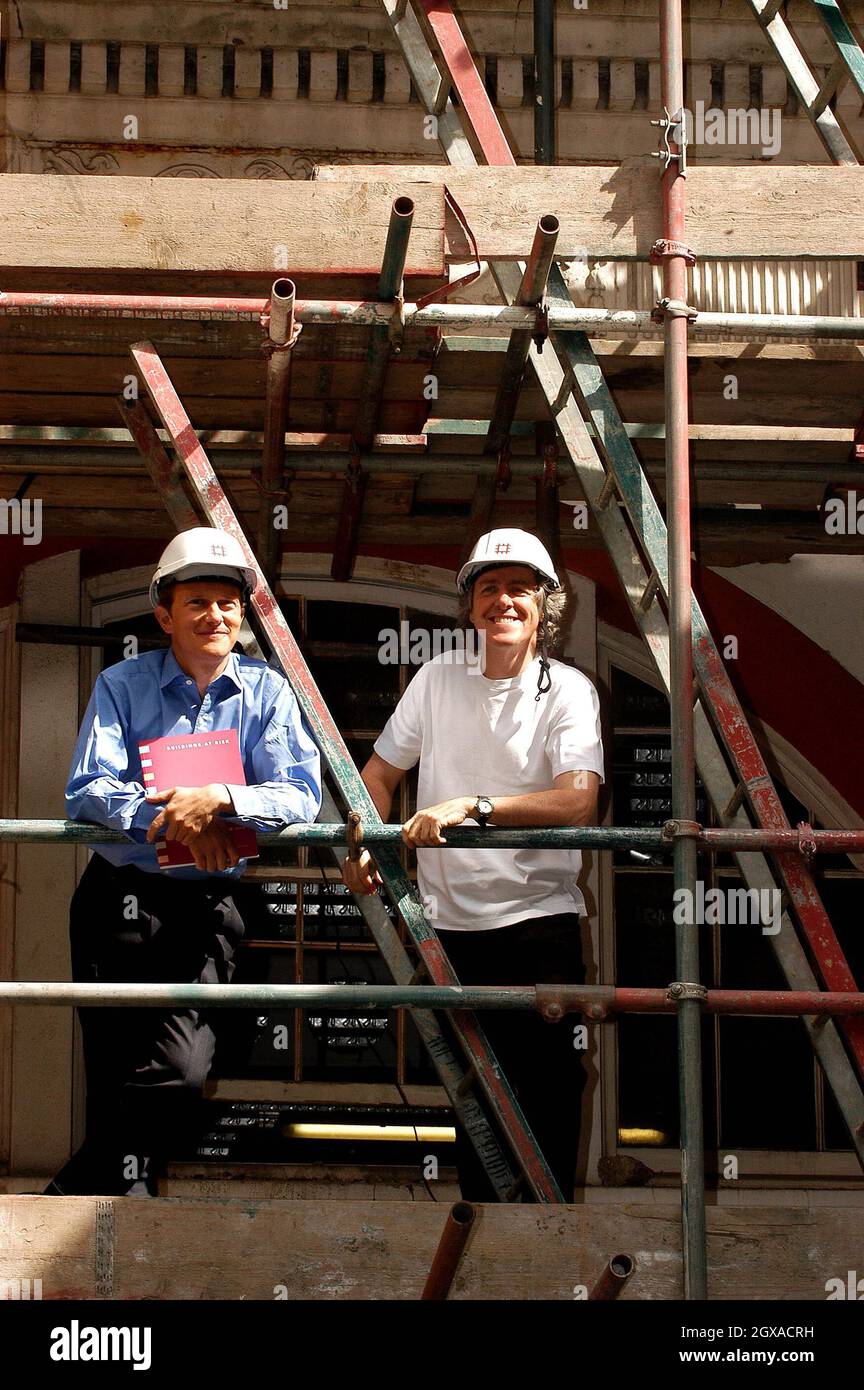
x: 189, y: 828
x: 213, y: 850
x: 189, y: 810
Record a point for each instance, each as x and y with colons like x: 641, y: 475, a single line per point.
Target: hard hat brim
x: 470, y: 571
x: 246, y: 578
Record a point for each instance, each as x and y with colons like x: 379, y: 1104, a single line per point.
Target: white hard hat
x: 202, y: 553
x: 508, y: 547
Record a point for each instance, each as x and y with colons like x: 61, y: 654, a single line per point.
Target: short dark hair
x: 165, y: 592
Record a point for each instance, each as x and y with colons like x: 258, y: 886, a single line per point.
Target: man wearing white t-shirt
x: 514, y: 741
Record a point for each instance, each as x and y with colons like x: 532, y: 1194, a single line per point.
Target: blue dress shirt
x: 149, y: 696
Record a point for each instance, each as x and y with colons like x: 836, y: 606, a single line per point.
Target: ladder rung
x: 769, y: 11
x: 606, y: 493
x: 649, y: 593
x: 802, y: 78
x: 467, y: 1082
x: 836, y: 74
x: 843, y: 40
x: 735, y: 802
x: 442, y: 96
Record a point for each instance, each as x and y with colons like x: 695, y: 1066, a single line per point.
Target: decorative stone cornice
x: 585, y: 81
x: 253, y: 90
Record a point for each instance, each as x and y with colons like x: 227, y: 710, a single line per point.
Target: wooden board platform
x: 614, y: 210
x: 324, y: 1250
x: 87, y: 222
x: 66, y: 372
x: 338, y: 223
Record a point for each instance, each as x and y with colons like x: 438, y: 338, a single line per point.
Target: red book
x: 195, y: 760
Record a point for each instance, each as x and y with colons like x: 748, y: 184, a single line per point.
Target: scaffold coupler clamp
x: 806, y: 840
x: 553, y: 1004
x: 354, y: 827
x: 396, y: 326
x: 669, y: 123
x: 541, y: 324
x: 680, y: 990
x: 667, y: 308
x: 681, y: 830
x: 268, y: 347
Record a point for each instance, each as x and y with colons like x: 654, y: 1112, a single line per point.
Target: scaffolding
x: 548, y: 336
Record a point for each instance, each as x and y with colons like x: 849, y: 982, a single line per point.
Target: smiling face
x: 203, y: 621
x: 504, y: 607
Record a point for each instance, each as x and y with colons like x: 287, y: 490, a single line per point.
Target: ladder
x: 613, y: 481
x: 816, y: 96
x: 481, y: 1091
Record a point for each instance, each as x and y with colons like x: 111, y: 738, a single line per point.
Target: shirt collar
x: 171, y: 671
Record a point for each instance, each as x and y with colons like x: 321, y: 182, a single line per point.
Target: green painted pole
x: 494, y: 837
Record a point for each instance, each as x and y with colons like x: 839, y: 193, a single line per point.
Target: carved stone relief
x: 66, y: 159
x: 43, y: 157
x: 188, y: 171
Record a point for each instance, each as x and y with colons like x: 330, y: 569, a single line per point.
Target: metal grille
x: 721, y: 286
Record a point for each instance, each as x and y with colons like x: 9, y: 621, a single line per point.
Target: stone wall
x: 255, y: 90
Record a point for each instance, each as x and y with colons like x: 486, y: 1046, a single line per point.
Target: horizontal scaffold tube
x: 554, y: 1001
x: 60, y: 831
x: 343, y: 313
x: 493, y: 837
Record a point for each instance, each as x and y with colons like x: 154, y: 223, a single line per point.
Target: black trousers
x: 145, y: 1068
x: 539, y: 1059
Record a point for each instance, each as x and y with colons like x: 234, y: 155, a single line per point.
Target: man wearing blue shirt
x: 132, y: 921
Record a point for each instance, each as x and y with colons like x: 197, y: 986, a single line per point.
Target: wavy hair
x: 553, y: 614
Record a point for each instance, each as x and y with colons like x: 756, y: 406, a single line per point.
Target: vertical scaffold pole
x: 675, y: 256
x: 544, y: 82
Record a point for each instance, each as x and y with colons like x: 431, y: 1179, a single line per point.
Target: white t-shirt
x: 475, y: 736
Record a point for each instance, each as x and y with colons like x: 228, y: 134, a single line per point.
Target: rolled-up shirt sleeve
x: 283, y: 769
x: 100, y: 788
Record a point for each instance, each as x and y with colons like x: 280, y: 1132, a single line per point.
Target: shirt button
x: 188, y: 682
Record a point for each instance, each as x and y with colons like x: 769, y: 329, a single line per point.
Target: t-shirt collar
x: 512, y: 682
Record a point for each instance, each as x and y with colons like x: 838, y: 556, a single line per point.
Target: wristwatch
x: 483, y: 809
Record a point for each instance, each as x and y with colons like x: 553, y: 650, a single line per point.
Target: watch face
x: 484, y: 806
